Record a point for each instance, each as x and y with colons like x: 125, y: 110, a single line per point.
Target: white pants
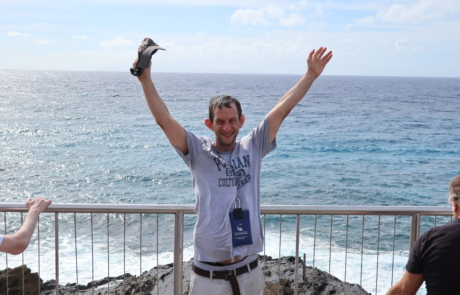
x: 252, y: 283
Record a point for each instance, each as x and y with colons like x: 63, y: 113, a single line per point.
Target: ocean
x: 88, y: 137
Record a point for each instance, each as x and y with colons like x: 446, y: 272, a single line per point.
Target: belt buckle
x: 230, y: 271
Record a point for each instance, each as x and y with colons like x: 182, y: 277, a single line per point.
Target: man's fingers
x: 323, y: 51
x: 327, y: 57
x: 42, y: 204
x: 317, y: 52
x: 320, y: 52
x: 38, y: 202
x: 45, y: 204
x: 44, y: 201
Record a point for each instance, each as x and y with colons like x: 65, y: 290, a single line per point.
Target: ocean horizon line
x: 232, y: 73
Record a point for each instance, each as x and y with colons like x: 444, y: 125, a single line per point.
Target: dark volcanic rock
x: 19, y: 281
x: 280, y: 275
x: 279, y: 278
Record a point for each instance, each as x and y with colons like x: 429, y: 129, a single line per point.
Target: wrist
x: 34, y: 211
x: 145, y: 79
x: 311, y: 75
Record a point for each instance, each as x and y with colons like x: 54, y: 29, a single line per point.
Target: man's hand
x: 173, y: 130
x: 38, y: 204
x: 317, y: 61
x: 145, y: 72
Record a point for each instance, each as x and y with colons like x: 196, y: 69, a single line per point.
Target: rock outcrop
x: 279, y: 278
x: 19, y: 281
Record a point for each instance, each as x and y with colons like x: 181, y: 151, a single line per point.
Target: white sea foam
x: 359, y: 269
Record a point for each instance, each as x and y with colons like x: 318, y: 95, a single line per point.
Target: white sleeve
x: 261, y: 136
x: 1, y: 239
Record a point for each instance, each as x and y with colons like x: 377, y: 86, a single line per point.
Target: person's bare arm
x: 173, y: 130
x: 408, y: 285
x: 316, y: 61
x: 17, y: 243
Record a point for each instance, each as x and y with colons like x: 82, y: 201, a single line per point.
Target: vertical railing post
x: 297, y: 242
x: 414, y: 230
x: 178, y: 251
x: 56, y: 250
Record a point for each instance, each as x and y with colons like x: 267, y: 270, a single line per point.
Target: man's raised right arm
x: 173, y: 130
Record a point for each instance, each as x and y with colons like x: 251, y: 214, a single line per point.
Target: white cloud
x: 17, y: 34
x: 400, y: 44
x: 417, y: 12
x: 348, y: 53
x: 319, y: 10
x: 88, y: 53
x: 52, y: 3
x: 292, y: 20
x: 82, y: 37
x: 316, y: 26
x: 235, y: 49
x: 365, y: 20
x: 119, y: 41
x: 249, y: 17
x: 44, y: 42
x: 345, y: 41
x: 403, y: 44
x: 303, y: 2
x: 171, y: 46
x: 286, y: 17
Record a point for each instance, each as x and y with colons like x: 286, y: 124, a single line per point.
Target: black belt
x: 228, y: 275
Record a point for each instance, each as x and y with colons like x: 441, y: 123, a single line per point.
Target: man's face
x: 226, y: 126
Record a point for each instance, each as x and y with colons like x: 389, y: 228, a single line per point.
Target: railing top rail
x: 354, y: 210
x: 105, y: 208
x: 265, y: 209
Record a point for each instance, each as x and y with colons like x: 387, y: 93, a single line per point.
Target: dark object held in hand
x: 145, y: 52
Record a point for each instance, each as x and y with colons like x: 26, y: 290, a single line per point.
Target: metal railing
x: 299, y: 211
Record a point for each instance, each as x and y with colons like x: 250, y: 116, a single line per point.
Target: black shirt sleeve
x: 414, y: 265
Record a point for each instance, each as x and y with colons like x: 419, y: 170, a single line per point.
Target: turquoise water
x: 88, y: 137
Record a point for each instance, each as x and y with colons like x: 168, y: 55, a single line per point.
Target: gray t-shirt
x: 217, y: 187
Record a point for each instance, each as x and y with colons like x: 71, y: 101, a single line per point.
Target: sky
x: 418, y: 38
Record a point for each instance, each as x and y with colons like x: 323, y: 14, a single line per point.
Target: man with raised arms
x: 226, y: 175
x: 16, y: 244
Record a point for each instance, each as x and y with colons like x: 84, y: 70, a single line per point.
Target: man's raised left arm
x: 317, y: 61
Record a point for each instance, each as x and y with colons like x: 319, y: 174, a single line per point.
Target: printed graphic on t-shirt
x: 236, y: 175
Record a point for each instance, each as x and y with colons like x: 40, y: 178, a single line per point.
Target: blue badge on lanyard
x: 241, y: 227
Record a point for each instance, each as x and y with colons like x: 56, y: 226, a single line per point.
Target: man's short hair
x: 223, y: 100
x: 454, y: 189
